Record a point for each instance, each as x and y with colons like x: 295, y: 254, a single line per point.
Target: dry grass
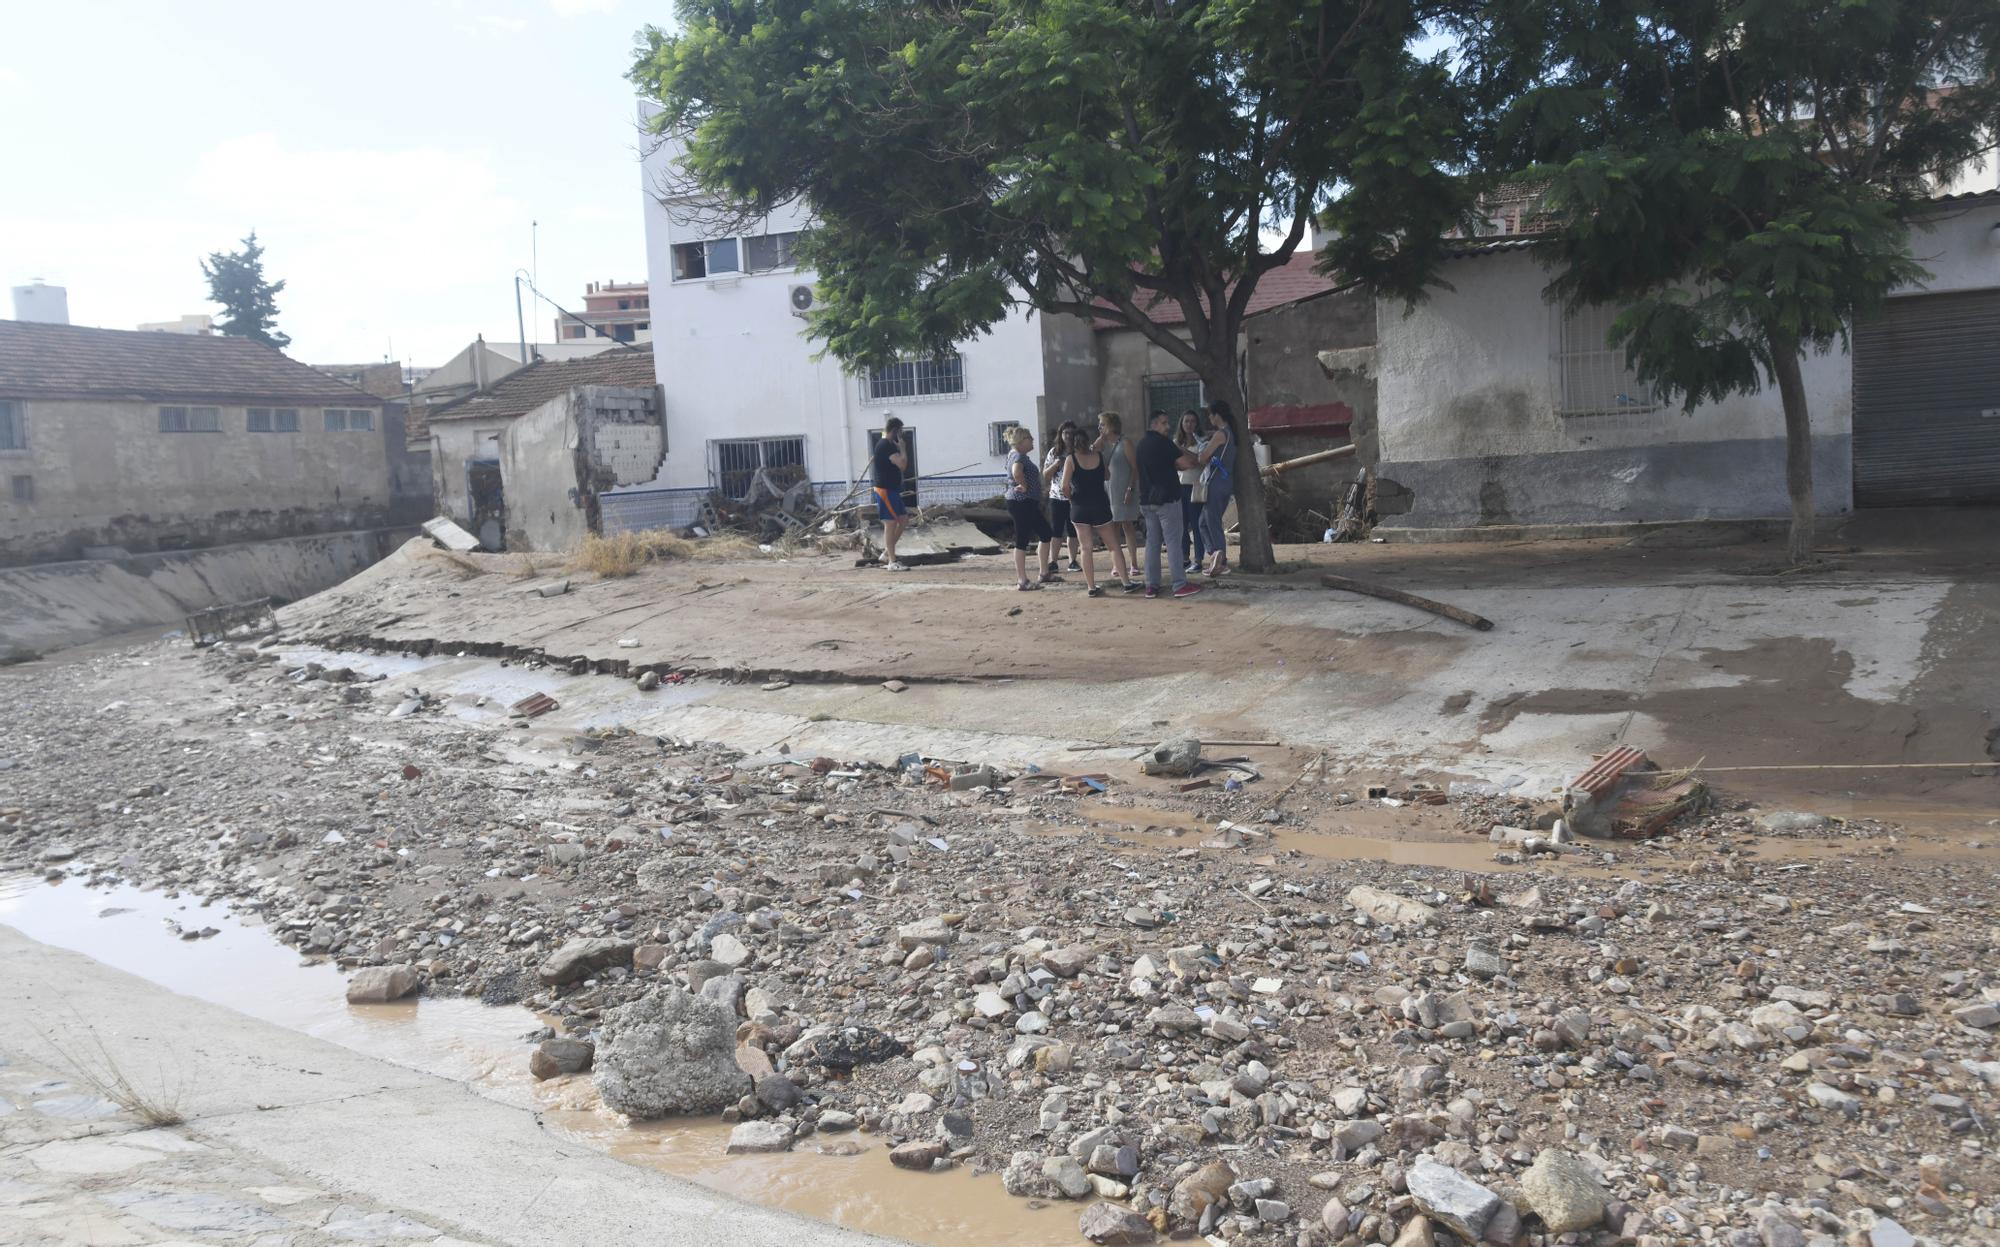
x: 86, y: 1060
x: 623, y: 554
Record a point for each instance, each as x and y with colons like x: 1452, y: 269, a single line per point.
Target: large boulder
x: 1449, y: 1197
x: 669, y: 1053
x: 1181, y: 756
x: 1113, y: 1225
x: 579, y: 959
x: 1389, y: 909
x: 380, y: 985
x: 1200, y: 1190
x: 553, y: 1058
x: 1563, y: 1192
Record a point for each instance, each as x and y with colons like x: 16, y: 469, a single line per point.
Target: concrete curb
x: 430, y: 1147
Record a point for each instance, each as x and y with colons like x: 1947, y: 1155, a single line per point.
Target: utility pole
x: 520, y: 322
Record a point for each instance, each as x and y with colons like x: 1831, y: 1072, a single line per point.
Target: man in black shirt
x: 892, y: 456
x: 1160, y: 463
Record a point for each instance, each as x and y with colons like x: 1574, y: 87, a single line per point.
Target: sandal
x: 1027, y: 586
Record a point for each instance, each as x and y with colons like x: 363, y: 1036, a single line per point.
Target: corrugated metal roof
x: 76, y: 362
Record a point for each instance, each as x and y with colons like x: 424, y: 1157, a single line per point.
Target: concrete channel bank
x: 422, y: 1148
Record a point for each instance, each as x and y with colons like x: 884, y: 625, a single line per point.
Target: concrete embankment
x: 52, y: 606
x: 429, y: 1148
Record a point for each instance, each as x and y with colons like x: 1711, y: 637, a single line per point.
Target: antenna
x: 534, y: 271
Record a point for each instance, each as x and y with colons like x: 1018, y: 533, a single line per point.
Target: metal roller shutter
x: 1927, y: 402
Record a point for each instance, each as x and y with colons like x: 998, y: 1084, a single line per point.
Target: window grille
x: 190, y: 419
x: 998, y: 443
x: 271, y: 419
x: 733, y: 463
x: 1591, y: 376
x: 1172, y: 395
x: 13, y: 426
x: 24, y: 489
x: 349, y: 420
x: 943, y: 377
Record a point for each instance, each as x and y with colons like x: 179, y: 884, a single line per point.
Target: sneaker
x: 1187, y: 590
x: 1028, y: 586
x: 1096, y: 591
x: 1131, y: 586
x: 899, y: 566
x: 1050, y: 578
x: 1075, y: 566
x: 1151, y: 593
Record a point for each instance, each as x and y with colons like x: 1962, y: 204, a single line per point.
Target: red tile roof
x: 1291, y: 281
x: 75, y: 362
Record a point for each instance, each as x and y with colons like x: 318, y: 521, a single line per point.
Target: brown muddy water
x: 244, y: 968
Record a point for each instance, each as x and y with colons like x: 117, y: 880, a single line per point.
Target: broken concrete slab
x: 448, y: 534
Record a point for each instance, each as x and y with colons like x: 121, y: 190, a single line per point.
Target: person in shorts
x: 892, y: 458
x: 1024, y: 507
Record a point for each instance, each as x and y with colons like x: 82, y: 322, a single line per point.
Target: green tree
x: 1740, y: 175
x: 1109, y: 158
x: 249, y: 302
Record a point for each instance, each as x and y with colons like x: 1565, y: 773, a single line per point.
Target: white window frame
x: 764, y: 448
x: 275, y: 419
x: 13, y: 427
x: 874, y: 384
x: 997, y: 443
x: 190, y: 418
x: 1587, y: 376
x: 786, y: 247
x: 708, y: 269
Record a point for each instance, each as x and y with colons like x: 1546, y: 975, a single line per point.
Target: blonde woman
x: 1122, y: 484
x: 1024, y: 506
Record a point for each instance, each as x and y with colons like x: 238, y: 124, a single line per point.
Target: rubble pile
x: 1226, y: 1038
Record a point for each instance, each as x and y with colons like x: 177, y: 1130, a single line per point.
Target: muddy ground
x: 1733, y: 1035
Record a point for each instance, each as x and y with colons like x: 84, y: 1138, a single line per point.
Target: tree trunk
x: 1798, y: 447
x: 1253, y: 524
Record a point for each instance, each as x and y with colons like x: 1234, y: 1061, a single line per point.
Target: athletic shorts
x: 1031, y: 527
x: 889, y: 506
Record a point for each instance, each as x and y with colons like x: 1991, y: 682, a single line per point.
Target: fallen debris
x: 1456, y: 613
x: 448, y: 534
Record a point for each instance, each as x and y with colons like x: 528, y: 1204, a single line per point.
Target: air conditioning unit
x: 804, y: 300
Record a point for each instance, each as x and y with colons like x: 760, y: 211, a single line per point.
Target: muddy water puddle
x: 243, y: 967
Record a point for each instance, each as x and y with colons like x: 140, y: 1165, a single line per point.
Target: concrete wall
x: 1466, y: 413
x: 1069, y: 375
x: 1127, y: 360
x: 538, y: 472
x: 1281, y: 367
x: 734, y: 362
x: 104, y: 475
x: 53, y: 606
x: 454, y: 444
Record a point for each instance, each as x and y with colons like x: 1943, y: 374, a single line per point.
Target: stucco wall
x: 104, y: 475
x: 538, y: 468
x: 1281, y: 367
x: 1466, y: 413
x: 1127, y: 360
x: 734, y: 362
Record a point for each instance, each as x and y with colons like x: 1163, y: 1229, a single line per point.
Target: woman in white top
x: 1189, y: 438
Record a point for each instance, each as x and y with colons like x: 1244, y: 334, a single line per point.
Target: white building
x: 743, y: 388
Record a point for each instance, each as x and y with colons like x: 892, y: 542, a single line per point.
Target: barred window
x: 271, y: 419
x: 1591, y: 376
x: 943, y: 377
x: 734, y: 463
x: 13, y: 426
x: 349, y: 420
x: 190, y: 419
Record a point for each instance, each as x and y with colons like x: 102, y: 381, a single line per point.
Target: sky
x: 390, y: 156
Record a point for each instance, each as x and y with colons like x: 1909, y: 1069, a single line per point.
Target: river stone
x: 1067, y: 1176
x: 729, y: 950
x: 759, y: 1136
x: 1195, y: 1193
x: 669, y: 1053
x: 380, y: 984
x: 1114, y: 1226
x: 1448, y: 1196
x: 1387, y: 908
x: 579, y: 959
x: 1563, y: 1192
x: 918, y: 1154
x: 554, y: 1057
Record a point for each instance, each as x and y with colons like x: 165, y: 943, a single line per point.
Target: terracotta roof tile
x: 521, y: 392
x: 73, y: 362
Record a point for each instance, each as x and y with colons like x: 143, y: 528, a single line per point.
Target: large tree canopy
x: 1101, y: 157
x: 1738, y: 177
x: 249, y: 301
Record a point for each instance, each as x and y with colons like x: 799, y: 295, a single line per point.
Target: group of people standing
x: 1168, y: 487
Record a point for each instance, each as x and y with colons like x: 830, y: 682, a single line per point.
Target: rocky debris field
x: 1674, y: 1043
